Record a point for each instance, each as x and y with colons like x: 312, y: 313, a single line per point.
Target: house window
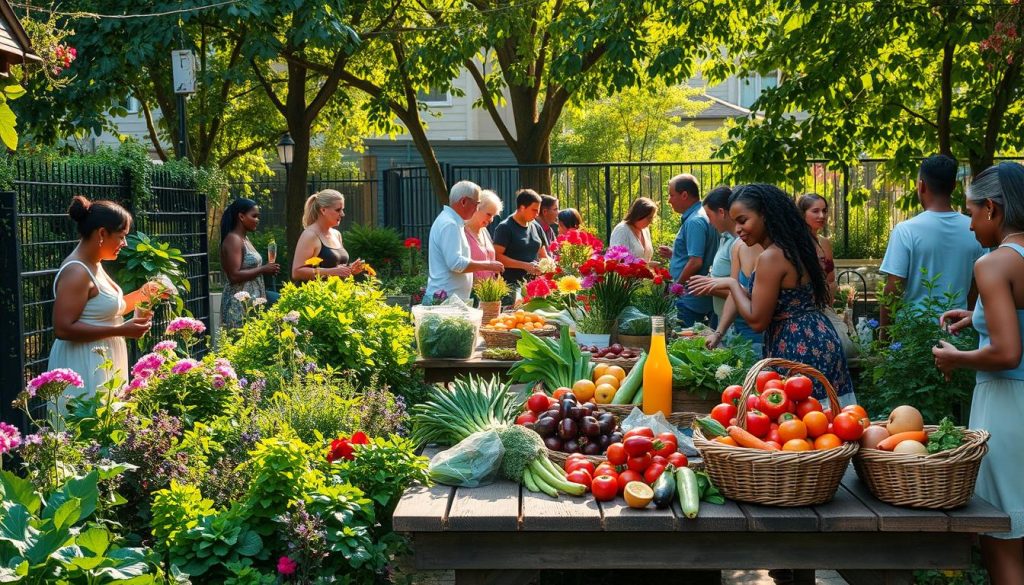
x: 130, y: 104
x: 751, y: 87
x: 434, y: 97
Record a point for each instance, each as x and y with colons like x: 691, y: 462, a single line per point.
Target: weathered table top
x: 503, y: 527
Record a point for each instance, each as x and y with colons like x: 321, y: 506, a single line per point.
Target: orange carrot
x: 746, y: 439
x: 889, y: 443
x: 726, y: 440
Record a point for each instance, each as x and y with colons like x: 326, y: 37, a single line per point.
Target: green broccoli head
x: 522, y: 446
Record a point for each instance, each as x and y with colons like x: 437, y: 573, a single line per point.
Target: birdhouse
x: 15, y: 48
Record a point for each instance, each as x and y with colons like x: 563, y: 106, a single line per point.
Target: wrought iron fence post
x: 607, y: 202
x: 12, y: 310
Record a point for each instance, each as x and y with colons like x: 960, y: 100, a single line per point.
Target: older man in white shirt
x: 450, y: 266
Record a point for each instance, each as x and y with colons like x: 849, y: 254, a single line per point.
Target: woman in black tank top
x: 320, y: 239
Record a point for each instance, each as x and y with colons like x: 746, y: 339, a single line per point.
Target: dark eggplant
x: 554, y: 412
x: 616, y: 437
x: 545, y: 427
x: 606, y: 422
x: 591, y: 448
x: 570, y: 446
x: 565, y: 408
x: 591, y: 408
x: 577, y: 413
x: 589, y: 426
x: 568, y: 429
x: 553, y: 443
x: 665, y: 488
x: 604, y: 441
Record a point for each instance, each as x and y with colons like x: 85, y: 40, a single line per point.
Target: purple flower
x: 589, y: 281
x: 53, y: 382
x: 10, y: 437
x: 292, y: 317
x: 873, y: 323
x: 619, y: 253
x: 33, y: 439
x: 187, y: 326
x: 676, y: 289
x: 218, y: 381
x: 896, y: 346
x: 137, y: 384
x: 286, y: 566
x: 184, y: 366
x: 223, y: 367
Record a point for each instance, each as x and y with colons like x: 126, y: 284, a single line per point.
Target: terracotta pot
x: 491, y: 310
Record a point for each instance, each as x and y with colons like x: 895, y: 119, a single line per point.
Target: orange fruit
x: 618, y: 372
x: 796, y: 445
x: 541, y: 320
x: 560, y: 392
x: 726, y: 441
x: 827, y: 441
x: 603, y: 394
x: 792, y: 429
x: 608, y: 379
x: 638, y: 494
x: 584, y: 388
x: 857, y: 410
x: 817, y: 423
x: 600, y: 370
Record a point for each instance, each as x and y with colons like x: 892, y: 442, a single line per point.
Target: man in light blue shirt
x: 938, y: 240
x: 694, y: 249
x: 450, y: 266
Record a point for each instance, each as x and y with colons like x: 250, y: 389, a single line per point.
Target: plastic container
x: 446, y: 331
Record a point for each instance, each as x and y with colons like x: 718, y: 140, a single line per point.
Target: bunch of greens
x: 445, y: 336
x: 705, y: 372
x: 947, y: 437
x: 557, y: 364
x: 490, y: 290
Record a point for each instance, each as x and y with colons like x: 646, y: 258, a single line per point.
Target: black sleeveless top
x: 332, y: 256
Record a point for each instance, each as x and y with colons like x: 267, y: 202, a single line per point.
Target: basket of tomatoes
x: 503, y: 330
x: 770, y: 443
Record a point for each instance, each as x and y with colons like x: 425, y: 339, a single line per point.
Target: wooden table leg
x: 881, y: 577
x: 498, y: 577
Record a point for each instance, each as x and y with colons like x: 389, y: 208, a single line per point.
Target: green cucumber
x: 665, y: 488
x: 710, y: 427
x: 631, y: 383
x: 638, y: 398
x: 689, y: 493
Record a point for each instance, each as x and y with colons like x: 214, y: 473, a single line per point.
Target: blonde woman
x: 320, y: 239
x: 481, y: 246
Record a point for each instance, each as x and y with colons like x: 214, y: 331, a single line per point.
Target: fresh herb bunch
x: 947, y: 437
x: 490, y: 290
x: 705, y: 372
x: 595, y: 321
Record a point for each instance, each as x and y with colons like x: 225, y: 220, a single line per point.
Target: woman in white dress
x: 634, y: 232
x: 88, y: 305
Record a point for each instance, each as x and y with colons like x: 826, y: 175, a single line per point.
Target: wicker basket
x: 491, y: 310
x: 775, y: 478
x: 939, y: 481
x: 509, y: 338
x: 624, y: 363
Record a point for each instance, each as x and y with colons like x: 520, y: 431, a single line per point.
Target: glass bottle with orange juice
x: 658, y: 372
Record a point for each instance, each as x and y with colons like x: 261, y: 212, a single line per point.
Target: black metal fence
x: 37, y: 235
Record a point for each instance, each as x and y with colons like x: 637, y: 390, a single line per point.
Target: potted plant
x: 489, y: 292
x: 594, y: 328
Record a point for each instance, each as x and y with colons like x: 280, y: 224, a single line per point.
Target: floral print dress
x: 801, y: 332
x: 232, y: 310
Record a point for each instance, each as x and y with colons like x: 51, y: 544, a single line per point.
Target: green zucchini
x: 710, y: 427
x: 638, y: 398
x: 631, y: 383
x: 665, y: 488
x: 689, y: 493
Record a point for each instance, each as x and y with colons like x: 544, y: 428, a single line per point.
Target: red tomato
x: 763, y: 378
x: 723, y: 413
x: 774, y: 402
x: 639, y: 464
x: 668, y: 445
x: 678, y: 460
x: 758, y: 423
x: 773, y: 435
x: 639, y: 431
x: 585, y: 465
x: 605, y: 488
x: 666, y: 437
x: 606, y: 469
x: 847, y: 427
x: 580, y: 476
x: 652, y: 473
x: 616, y: 454
x: 628, y: 476
x: 753, y: 403
x: 538, y: 402
x: 807, y: 405
x: 799, y: 388
x: 857, y: 410
x: 731, y: 395
x: 659, y: 460
x: 788, y: 416
x: 774, y: 384
x: 526, y: 417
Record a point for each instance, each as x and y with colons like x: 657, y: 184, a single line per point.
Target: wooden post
x: 368, y: 166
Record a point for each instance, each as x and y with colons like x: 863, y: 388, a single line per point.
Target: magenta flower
x: 51, y: 383
x: 187, y: 326
x: 166, y: 346
x: 10, y: 437
x: 147, y: 365
x: 676, y: 289
x: 137, y: 384
x: 184, y: 366
x: 286, y: 566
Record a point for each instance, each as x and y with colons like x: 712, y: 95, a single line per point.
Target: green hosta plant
x: 144, y: 257
x: 383, y: 469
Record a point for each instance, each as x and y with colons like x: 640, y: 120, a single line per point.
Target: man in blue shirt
x: 694, y: 249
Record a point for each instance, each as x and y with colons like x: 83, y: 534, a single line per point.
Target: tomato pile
x: 782, y: 415
x: 640, y: 456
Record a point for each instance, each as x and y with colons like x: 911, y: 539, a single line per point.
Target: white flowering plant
x: 705, y: 372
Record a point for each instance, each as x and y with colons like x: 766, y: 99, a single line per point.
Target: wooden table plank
x: 619, y: 517
x: 892, y: 518
x: 978, y: 516
x: 485, y: 508
x: 845, y: 513
x: 775, y: 519
x: 569, y: 514
x: 712, y: 518
x: 423, y: 509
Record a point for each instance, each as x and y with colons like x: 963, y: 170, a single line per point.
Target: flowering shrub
x: 573, y: 248
x: 614, y: 277
x: 193, y: 390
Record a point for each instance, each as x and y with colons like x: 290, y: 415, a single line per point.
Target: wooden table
x: 504, y: 534
x: 446, y: 370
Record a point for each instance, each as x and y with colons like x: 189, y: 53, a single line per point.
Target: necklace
x: 1010, y: 236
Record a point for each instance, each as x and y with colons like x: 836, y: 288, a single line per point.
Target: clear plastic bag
x: 475, y: 461
x: 448, y: 330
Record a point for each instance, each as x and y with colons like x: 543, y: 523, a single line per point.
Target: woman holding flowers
x: 88, y: 305
x: 322, y: 214
x: 242, y: 263
x: 996, y: 201
x: 788, y: 289
x: 481, y: 247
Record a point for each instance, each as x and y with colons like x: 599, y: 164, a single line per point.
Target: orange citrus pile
x: 524, y: 320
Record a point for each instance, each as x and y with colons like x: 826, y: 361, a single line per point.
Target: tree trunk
x: 295, y: 107
x: 535, y: 152
x: 412, y: 122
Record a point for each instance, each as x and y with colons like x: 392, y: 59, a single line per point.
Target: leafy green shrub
x: 381, y: 247
x: 383, y: 469
x: 312, y: 403
x: 705, y: 372
x: 281, y: 473
x: 145, y: 257
x: 902, y: 370
x: 194, y: 391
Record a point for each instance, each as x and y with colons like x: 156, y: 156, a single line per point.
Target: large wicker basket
x: 509, y: 339
x: 940, y: 481
x: 775, y: 478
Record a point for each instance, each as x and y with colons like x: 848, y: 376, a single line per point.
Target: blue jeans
x: 688, y: 317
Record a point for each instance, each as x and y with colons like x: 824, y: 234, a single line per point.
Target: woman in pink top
x: 480, y: 245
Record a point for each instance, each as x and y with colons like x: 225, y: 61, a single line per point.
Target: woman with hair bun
x: 323, y: 213
x: 242, y: 263
x: 88, y: 305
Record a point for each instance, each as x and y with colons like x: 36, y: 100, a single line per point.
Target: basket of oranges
x: 503, y: 330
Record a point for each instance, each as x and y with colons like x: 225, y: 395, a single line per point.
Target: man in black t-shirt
x: 518, y: 242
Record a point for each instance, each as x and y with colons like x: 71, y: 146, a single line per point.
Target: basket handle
x: 750, y: 383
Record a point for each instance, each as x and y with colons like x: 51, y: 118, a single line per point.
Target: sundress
x: 801, y: 332
x: 232, y: 311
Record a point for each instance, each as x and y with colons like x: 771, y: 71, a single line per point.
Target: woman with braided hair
x: 787, y: 291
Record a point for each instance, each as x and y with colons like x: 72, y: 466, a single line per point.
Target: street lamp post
x: 285, y: 154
